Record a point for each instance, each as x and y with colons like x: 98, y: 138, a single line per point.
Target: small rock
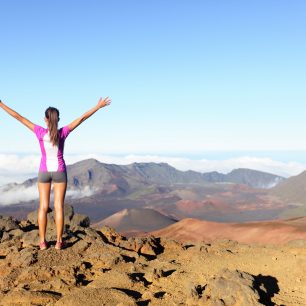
x: 81, y: 246
x: 111, y: 235
x: 27, y: 257
x: 143, y: 245
x: 8, y: 223
x: 30, y: 238
x: 17, y: 232
x: 148, y: 295
x: 79, y: 220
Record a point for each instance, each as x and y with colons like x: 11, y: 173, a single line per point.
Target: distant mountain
x: 276, y: 231
x: 293, y: 189
x: 251, y: 178
x: 89, y: 177
x: 95, y: 175
x: 129, y: 221
x: 293, y: 192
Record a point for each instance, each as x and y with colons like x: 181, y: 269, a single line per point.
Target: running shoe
x: 60, y: 245
x: 43, y: 245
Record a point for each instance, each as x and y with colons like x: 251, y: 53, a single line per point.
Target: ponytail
x: 52, y: 114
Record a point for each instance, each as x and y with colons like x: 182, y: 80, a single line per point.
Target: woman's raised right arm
x: 17, y: 116
x: 78, y: 121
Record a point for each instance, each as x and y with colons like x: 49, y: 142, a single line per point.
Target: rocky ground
x: 100, y: 267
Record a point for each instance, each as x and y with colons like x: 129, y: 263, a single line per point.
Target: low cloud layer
x: 80, y: 193
x: 14, y: 193
x: 17, y: 194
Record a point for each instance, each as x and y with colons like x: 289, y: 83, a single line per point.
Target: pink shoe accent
x: 43, y: 245
x: 60, y: 245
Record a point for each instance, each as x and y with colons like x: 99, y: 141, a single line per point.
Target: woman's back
x: 52, y: 157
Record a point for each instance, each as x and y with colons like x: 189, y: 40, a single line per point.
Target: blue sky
x: 185, y: 77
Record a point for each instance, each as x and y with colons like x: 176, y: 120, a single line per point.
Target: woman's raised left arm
x: 17, y: 116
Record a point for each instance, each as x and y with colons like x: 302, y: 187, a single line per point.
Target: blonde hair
x: 52, y: 114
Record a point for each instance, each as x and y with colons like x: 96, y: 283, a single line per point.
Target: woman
x: 52, y: 165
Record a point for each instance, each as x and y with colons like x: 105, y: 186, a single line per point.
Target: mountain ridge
x: 83, y: 172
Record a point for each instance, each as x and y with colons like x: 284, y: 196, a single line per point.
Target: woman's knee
x: 43, y: 209
x: 58, y: 206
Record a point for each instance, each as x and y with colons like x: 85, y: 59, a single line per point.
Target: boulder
x: 227, y: 288
x: 8, y: 223
x: 110, y: 235
x: 79, y: 220
x: 30, y: 238
x: 143, y: 245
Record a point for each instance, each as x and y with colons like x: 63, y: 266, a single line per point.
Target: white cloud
x: 16, y: 168
x: 15, y: 163
x: 14, y: 194
x: 79, y: 193
x: 17, y: 194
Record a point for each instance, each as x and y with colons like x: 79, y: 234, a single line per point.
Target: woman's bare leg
x: 44, y: 200
x: 59, y: 197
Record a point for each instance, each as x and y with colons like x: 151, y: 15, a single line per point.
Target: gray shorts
x: 55, y: 176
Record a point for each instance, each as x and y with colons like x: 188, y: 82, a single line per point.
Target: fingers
x: 105, y: 101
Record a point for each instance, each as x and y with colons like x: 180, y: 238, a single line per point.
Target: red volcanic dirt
x: 223, y: 204
x: 275, y: 232
x: 191, y: 206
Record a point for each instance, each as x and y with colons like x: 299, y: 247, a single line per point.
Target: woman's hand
x: 104, y: 102
x: 78, y: 121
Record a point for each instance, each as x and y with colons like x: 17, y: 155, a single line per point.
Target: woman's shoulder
x: 37, y: 126
x: 39, y: 130
x: 64, y: 131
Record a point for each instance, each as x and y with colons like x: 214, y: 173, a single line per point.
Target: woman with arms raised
x: 52, y: 165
